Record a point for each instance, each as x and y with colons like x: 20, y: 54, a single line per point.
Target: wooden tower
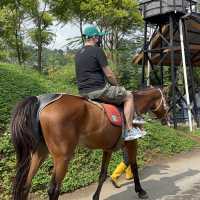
x: 171, y: 39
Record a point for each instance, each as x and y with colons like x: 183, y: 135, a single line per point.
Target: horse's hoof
x: 95, y: 197
x: 143, y: 195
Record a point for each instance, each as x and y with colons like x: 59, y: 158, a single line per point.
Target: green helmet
x: 92, y: 31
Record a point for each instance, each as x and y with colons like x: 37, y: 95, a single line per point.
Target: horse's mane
x: 141, y: 92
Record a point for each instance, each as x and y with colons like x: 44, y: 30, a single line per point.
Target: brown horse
x: 66, y: 123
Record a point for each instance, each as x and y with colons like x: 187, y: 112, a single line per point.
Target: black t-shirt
x: 89, y: 63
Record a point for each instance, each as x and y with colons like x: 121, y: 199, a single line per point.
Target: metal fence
x: 182, y: 115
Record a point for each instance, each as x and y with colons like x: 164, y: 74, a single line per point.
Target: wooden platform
x: 193, y: 29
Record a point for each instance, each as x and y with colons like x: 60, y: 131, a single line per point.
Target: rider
x: 96, y: 80
x: 124, y: 165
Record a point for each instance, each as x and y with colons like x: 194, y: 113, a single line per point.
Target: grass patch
x: 196, y: 132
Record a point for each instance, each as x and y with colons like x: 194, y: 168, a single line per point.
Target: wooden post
x: 161, y: 56
x: 149, y: 56
x: 145, y: 55
x: 173, y: 75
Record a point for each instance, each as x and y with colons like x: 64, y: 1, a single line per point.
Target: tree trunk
x: 18, y: 39
x: 22, y: 51
x: 18, y: 48
x: 39, y: 46
x: 81, y: 29
x: 39, y: 57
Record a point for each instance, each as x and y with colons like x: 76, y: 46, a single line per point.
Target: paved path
x: 177, y: 178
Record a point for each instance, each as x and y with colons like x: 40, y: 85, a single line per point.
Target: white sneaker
x: 132, y: 134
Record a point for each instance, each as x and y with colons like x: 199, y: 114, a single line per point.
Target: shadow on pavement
x: 158, y: 184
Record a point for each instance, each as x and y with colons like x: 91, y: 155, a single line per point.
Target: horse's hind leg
x: 132, y: 154
x: 103, y: 173
x: 36, y: 160
x: 59, y: 171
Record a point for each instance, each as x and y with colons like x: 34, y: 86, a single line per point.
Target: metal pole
x: 173, y: 75
x: 188, y: 56
x: 185, y: 74
x: 190, y: 6
x: 149, y: 56
x: 148, y: 71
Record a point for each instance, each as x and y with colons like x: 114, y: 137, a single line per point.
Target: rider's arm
x: 102, y: 59
x: 110, y: 75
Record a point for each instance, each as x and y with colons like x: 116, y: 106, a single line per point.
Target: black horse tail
x: 22, y: 130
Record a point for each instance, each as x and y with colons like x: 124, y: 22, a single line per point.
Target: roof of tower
x: 193, y: 28
x: 157, y: 11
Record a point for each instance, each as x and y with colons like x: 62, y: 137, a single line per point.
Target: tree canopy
x: 118, y: 17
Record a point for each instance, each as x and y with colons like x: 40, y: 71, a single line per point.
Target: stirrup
x: 138, y: 120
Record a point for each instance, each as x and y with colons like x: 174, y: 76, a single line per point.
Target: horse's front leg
x: 132, y: 155
x: 103, y: 173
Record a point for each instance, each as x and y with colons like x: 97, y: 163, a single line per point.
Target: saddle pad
x: 113, y: 114
x: 45, y: 100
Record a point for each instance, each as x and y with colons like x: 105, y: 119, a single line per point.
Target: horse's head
x: 160, y: 108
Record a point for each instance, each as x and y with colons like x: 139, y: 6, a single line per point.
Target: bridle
x: 162, y: 100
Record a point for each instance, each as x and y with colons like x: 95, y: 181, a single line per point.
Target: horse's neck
x: 144, y: 100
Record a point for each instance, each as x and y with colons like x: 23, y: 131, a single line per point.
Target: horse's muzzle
x: 166, y: 122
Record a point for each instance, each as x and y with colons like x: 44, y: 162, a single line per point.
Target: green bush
x: 17, y: 82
